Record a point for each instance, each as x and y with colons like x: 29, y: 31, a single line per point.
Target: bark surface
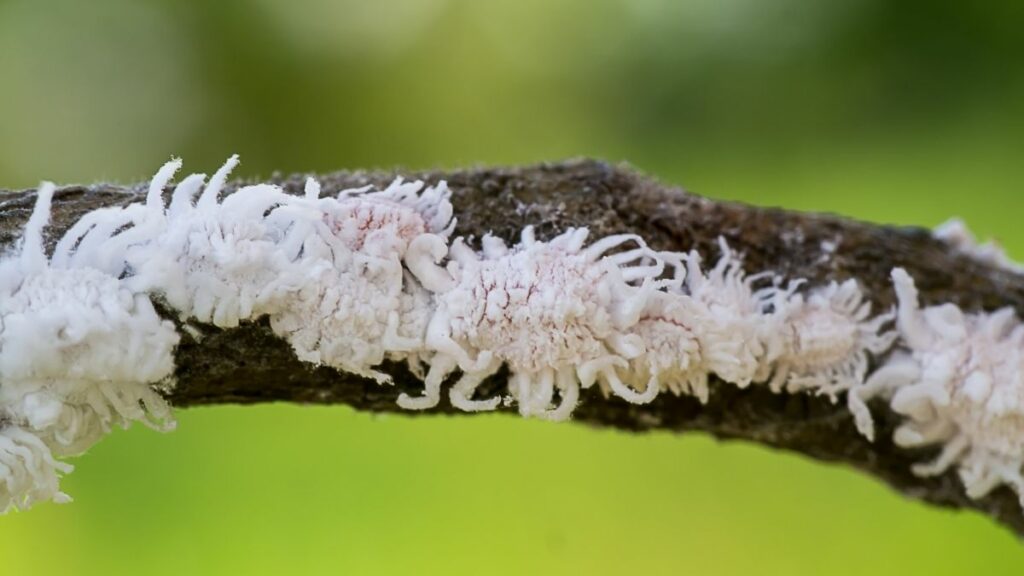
x: 249, y: 364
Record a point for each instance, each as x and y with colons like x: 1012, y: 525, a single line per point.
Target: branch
x: 250, y: 364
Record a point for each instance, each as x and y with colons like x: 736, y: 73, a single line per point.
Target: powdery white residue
x: 955, y: 233
x: 345, y: 313
x: 78, y: 353
x: 414, y: 313
x: 826, y: 338
x: 389, y: 220
x: 558, y: 314
x: 828, y: 250
x: 354, y: 303
x: 960, y: 383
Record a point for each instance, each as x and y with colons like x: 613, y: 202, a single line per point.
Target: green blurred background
x: 902, y: 112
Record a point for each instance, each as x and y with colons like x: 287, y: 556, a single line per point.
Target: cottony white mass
x: 363, y: 276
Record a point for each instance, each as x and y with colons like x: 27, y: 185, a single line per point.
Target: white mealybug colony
x: 702, y: 323
x: 79, y: 352
x: 363, y: 276
x: 960, y: 383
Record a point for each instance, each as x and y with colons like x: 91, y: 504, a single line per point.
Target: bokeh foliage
x: 904, y: 112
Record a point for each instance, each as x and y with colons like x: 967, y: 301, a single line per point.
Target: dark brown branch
x: 249, y: 364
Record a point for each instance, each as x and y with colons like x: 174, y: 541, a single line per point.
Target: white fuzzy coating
x: 346, y: 314
x: 956, y: 233
x: 355, y: 304
x: 328, y: 272
x: 81, y: 346
x: 734, y: 333
x: 366, y: 276
x: 558, y: 314
x: 387, y: 221
x: 668, y: 327
x: 705, y: 323
x: 960, y: 383
x: 103, y: 348
x: 28, y: 471
x: 212, y: 260
x: 826, y: 339
x: 78, y: 353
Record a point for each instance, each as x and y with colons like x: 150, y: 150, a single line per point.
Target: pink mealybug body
x: 558, y: 314
x: 672, y: 352
x: 356, y: 304
x: 826, y: 338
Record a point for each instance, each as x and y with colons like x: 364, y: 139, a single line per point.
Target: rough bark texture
x: 249, y: 364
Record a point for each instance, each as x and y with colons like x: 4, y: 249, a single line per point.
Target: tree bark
x: 249, y: 364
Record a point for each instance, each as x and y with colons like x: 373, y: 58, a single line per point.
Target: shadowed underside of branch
x: 250, y: 364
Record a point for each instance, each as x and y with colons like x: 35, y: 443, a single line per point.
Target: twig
x: 249, y: 364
